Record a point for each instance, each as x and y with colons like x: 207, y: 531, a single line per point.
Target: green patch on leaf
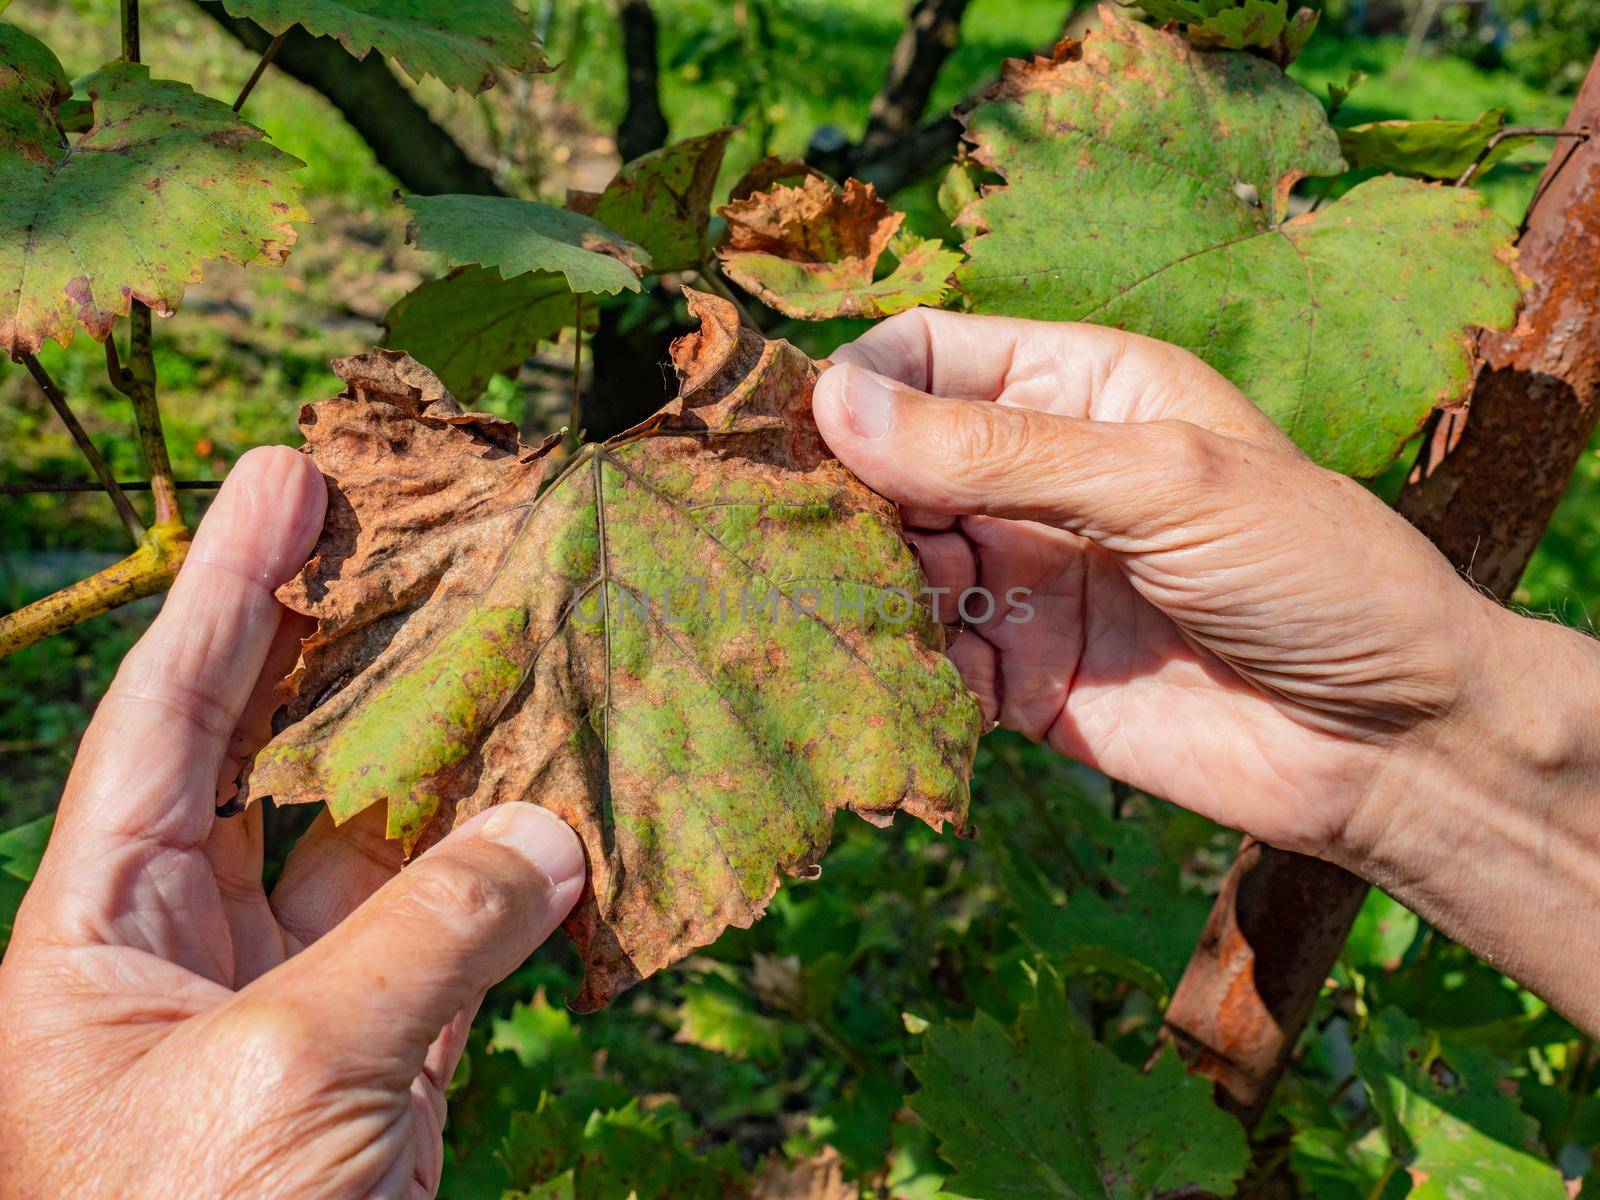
x: 1161, y: 206
x: 459, y: 42
x: 1041, y: 1111
x: 163, y: 180
x: 518, y: 236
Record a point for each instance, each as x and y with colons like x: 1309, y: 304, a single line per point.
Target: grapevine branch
x: 1281, y: 919
x: 1515, y: 131
x: 108, y: 482
x: 265, y: 61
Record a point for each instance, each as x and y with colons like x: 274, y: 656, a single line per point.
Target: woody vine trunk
x: 1281, y: 919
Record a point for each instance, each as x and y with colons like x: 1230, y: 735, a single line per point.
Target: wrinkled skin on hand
x: 1216, y: 619
x: 169, y: 1028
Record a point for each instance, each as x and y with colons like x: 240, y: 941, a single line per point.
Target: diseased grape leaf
x: 459, y: 42
x: 1430, y: 149
x: 1456, y: 1131
x: 1044, y: 1112
x: 472, y: 324
x: 518, y: 236
x: 1147, y: 188
x: 164, y: 179
x: 695, y: 645
x: 662, y: 200
x: 811, y: 251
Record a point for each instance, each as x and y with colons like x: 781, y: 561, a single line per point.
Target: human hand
x: 170, y: 1029
x: 1215, y: 618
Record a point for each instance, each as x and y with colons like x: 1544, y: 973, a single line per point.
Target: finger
x: 331, y: 872
x: 453, y: 923
x: 148, y: 765
x: 948, y: 562
x: 1074, y: 370
x: 1127, y: 486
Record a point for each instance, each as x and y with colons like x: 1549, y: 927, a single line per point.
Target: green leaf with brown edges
x: 662, y: 200
x: 472, y: 324
x: 163, y: 180
x: 696, y: 644
x: 812, y: 251
x: 1430, y: 149
x: 1041, y: 1111
x: 1161, y: 206
x: 518, y: 236
x: 462, y: 43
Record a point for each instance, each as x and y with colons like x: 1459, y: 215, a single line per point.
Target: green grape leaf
x: 1456, y: 1132
x: 624, y: 1152
x: 1383, y: 931
x: 21, y: 849
x: 662, y: 200
x: 472, y: 324
x: 696, y: 643
x: 716, y: 1016
x: 1044, y: 1112
x: 1332, y: 1165
x: 812, y: 252
x: 459, y: 42
x: 1161, y: 206
x: 518, y: 236
x: 1282, y: 27
x: 1430, y: 149
x: 163, y: 180
x: 1143, y: 929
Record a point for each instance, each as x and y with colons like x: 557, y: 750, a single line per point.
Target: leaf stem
x: 148, y: 570
x: 574, y: 437
x: 130, y: 30
x: 138, y: 383
x: 1512, y: 131
x: 108, y: 481
x: 265, y: 61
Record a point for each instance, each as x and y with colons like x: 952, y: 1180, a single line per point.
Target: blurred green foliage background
x: 792, y: 1036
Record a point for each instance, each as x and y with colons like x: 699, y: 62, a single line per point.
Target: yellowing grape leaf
x: 696, y: 644
x: 811, y: 251
x: 164, y: 179
x: 1147, y: 188
x: 459, y: 42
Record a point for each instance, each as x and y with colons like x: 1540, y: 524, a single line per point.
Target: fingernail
x: 541, y: 837
x: 869, y: 400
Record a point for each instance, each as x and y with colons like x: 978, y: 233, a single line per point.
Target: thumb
x: 429, y: 942
x: 1111, y: 481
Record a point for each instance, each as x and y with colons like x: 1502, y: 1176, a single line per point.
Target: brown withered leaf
x: 812, y: 252
x: 820, y: 1177
x: 695, y: 645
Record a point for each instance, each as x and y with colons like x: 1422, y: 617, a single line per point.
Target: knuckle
x: 450, y: 889
x: 1196, y: 458
x: 282, y: 1043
